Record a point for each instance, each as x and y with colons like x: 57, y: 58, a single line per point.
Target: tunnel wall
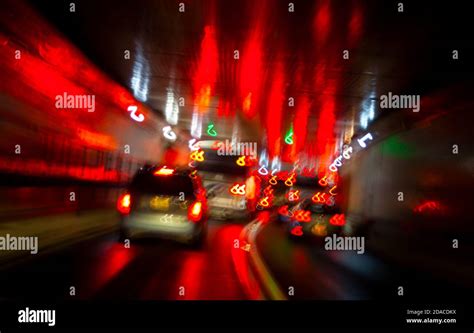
x: 37, y: 64
x: 415, y: 158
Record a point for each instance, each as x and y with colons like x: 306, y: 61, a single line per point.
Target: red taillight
x: 195, y: 211
x: 124, y: 203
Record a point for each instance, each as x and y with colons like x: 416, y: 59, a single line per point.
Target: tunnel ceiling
x: 240, y: 62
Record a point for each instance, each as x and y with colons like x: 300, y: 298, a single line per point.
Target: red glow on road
x: 112, y: 261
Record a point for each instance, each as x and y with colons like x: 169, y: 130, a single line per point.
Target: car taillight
x: 250, y: 188
x: 124, y: 202
x: 195, y: 211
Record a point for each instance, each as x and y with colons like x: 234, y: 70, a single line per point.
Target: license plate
x: 158, y: 203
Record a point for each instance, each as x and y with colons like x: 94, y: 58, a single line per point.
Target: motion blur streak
x: 301, y: 122
x: 274, y: 112
x: 206, y: 72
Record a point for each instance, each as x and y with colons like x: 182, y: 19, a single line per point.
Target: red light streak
x: 300, y: 123
x: 206, y: 73
x: 274, y: 112
x: 322, y: 21
x: 430, y: 205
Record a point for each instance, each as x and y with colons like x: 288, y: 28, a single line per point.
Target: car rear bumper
x: 162, y: 226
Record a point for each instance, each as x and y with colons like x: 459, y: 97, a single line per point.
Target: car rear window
x: 164, y: 185
x: 225, y: 165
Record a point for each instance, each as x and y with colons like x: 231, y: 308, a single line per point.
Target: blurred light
x: 430, y: 205
x: 210, y: 130
x: 274, y: 111
x: 97, y: 140
x: 251, y: 188
x: 362, y: 140
x: 124, y: 203
x: 240, y: 161
x: 276, y: 164
x: 196, y: 123
x: 238, y: 189
x: 140, y: 76
x: 293, y: 195
x: 301, y: 122
x: 319, y: 197
x: 251, y: 74
x: 171, y: 108
x: 319, y: 230
x: 264, y: 202
x: 263, y: 171
x: 164, y: 171
x: 303, y: 216
x: 263, y: 161
x: 289, y: 136
x: 337, y: 219
x: 283, y: 210
x: 193, y: 145
x: 364, y: 120
x: 207, y: 67
x: 273, y: 180
x: 290, y: 181
x: 322, y: 21
x: 297, y: 230
x: 195, y: 211
x: 323, y: 181
x: 135, y: 115
x: 197, y: 156
x: 216, y: 145
x: 169, y: 134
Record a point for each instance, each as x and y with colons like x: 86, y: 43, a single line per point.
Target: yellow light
x: 196, y: 208
x: 164, y: 171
